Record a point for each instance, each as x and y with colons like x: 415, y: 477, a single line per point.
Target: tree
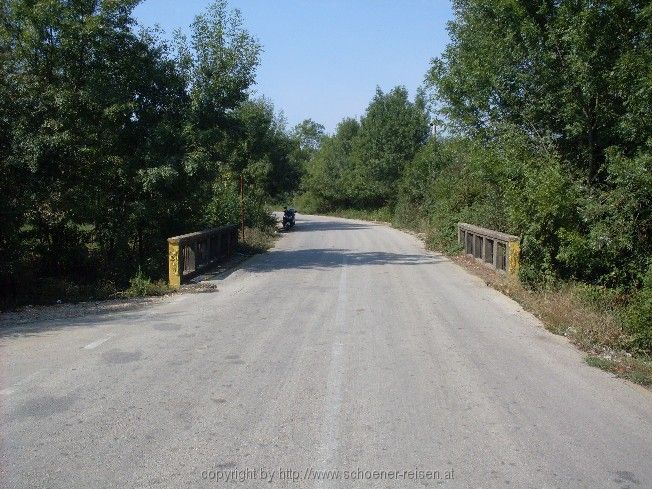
x: 266, y: 149
x: 325, y: 180
x: 309, y: 135
x: 93, y: 111
x: 219, y: 63
x: 391, y: 132
x: 110, y: 142
x: 576, y: 74
x: 362, y: 164
x: 577, y: 71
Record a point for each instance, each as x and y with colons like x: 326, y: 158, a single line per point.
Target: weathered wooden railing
x: 492, y: 247
x: 189, y: 254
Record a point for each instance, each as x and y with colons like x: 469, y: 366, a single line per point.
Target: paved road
x: 347, y: 348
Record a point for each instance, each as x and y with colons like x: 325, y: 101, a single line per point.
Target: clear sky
x: 323, y: 59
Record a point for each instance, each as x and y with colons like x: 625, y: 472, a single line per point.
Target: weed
x: 142, y: 286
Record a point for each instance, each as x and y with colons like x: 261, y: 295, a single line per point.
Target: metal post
x: 242, y: 206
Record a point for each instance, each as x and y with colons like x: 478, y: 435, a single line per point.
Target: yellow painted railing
x: 189, y: 254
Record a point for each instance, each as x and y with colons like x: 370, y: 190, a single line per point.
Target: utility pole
x: 433, y: 129
x: 242, y: 212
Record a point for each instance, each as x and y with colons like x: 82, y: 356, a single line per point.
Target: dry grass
x: 258, y: 240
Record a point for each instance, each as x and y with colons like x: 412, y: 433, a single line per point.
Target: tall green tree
x: 309, y: 135
x: 326, y: 176
x: 392, y: 130
x: 111, y: 141
x: 93, y: 110
x: 219, y: 62
x: 577, y: 71
x: 362, y: 164
x: 577, y: 74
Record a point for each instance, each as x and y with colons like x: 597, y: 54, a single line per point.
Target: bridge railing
x: 500, y: 250
x: 189, y: 254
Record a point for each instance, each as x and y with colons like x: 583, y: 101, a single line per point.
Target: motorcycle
x: 288, y: 218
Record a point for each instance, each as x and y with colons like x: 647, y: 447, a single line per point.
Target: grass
x: 47, y: 291
x: 257, y: 240
x: 634, y: 369
x: 53, y: 290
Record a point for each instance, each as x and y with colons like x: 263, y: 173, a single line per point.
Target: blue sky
x: 323, y: 59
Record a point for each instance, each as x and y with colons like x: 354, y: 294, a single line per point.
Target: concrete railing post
x: 510, y: 243
x: 174, y: 265
x: 513, y: 257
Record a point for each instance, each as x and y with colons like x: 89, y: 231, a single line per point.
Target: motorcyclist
x: 288, y: 216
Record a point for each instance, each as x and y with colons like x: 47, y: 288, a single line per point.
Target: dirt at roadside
x: 33, y: 314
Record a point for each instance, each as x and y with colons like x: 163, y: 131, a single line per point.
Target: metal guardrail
x: 189, y: 254
x: 500, y: 250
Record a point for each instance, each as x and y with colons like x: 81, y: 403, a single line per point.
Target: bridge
x: 348, y: 348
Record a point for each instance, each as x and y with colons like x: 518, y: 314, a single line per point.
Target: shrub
x: 309, y: 203
x: 638, y: 317
x: 141, y: 286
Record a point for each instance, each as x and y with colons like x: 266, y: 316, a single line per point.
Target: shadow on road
x: 311, y: 226
x: 322, y: 258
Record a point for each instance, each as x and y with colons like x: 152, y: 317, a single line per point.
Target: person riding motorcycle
x: 288, y: 218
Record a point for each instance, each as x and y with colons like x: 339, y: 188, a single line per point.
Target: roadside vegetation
x: 258, y: 239
x: 141, y: 285
x: 542, y: 123
x: 113, y: 139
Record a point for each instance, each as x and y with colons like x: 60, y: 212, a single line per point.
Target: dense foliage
x: 362, y: 163
x: 549, y: 136
x: 111, y: 140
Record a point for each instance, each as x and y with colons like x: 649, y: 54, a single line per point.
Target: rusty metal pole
x: 242, y: 206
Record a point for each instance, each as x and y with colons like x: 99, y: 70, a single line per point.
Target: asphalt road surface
x: 346, y: 349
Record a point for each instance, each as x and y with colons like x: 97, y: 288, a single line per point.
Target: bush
x: 142, y: 286
x: 309, y: 203
x: 257, y: 240
x: 599, y: 297
x: 610, y: 244
x: 638, y: 318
